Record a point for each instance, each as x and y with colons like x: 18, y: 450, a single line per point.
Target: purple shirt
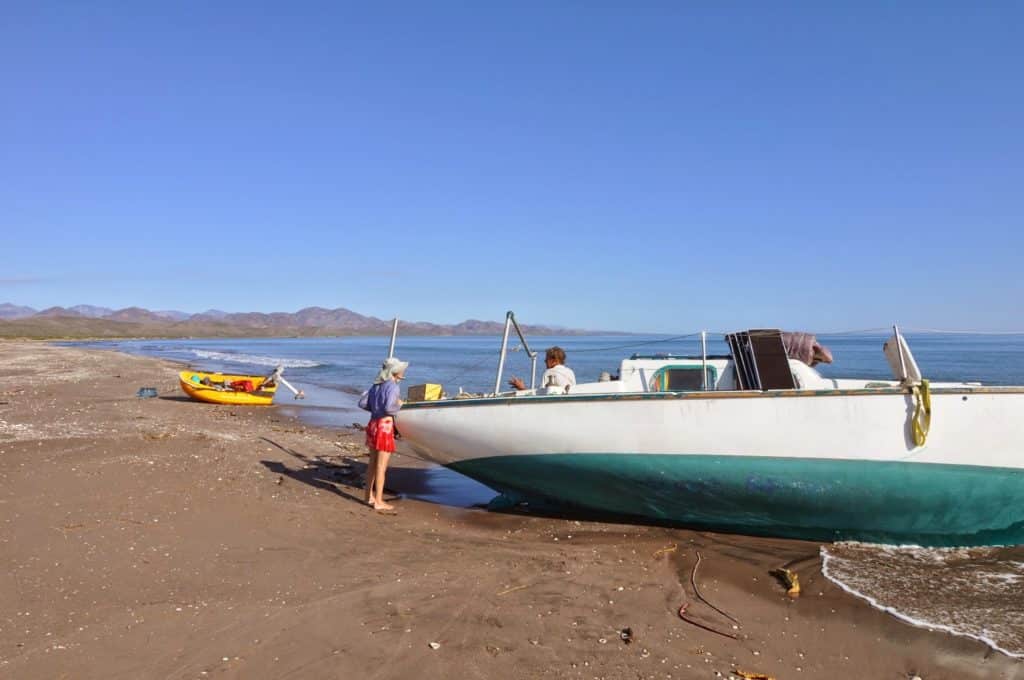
x: 381, y: 400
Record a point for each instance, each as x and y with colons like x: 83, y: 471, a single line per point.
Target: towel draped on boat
x: 806, y: 348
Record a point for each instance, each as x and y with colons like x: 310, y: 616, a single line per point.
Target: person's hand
x: 517, y: 383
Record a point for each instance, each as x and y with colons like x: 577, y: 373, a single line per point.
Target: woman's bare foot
x: 383, y: 506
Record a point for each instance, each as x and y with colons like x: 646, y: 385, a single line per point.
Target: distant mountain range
x: 91, y: 321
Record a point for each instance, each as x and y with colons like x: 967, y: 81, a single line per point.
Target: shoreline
x: 326, y: 401
x: 168, y: 538
x: 909, y: 620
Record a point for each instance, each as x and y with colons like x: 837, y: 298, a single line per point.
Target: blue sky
x: 634, y: 166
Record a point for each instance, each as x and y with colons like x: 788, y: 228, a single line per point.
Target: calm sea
x: 976, y: 592
x: 349, y: 364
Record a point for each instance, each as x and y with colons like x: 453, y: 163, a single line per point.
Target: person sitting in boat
x: 556, y: 375
x: 382, y: 400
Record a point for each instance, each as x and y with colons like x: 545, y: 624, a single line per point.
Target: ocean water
x: 347, y: 365
x: 974, y: 592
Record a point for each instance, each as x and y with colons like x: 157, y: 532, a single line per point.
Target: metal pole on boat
x: 504, y: 349
x: 299, y: 394
x: 394, y: 335
x: 899, y: 348
x: 704, y: 359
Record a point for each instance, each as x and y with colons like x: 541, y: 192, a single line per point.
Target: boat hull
x: 828, y: 466
x: 206, y: 393
x: 813, y: 499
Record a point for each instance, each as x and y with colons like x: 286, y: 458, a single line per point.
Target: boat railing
x: 510, y: 323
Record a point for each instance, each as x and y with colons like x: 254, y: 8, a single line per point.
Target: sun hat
x: 391, y: 366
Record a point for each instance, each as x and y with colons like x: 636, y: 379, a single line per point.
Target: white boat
x: 690, y: 440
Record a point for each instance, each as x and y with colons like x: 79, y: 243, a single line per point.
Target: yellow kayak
x: 218, y: 388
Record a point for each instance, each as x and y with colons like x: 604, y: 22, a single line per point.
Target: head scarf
x: 390, y: 367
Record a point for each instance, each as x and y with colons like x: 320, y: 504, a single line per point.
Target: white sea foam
x: 255, y: 359
x: 969, y: 592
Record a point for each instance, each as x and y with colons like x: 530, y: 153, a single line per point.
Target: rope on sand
x: 694, y: 622
x: 686, y: 617
x: 693, y: 582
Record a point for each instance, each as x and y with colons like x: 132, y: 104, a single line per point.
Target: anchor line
x: 635, y: 344
x: 478, y: 364
x: 693, y: 622
x: 693, y: 582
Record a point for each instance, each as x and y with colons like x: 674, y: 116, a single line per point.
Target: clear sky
x: 636, y: 166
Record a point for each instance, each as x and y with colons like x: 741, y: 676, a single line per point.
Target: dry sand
x: 162, y: 538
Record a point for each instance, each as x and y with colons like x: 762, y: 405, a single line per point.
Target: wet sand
x: 163, y: 538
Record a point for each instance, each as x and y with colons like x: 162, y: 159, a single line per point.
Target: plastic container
x: 425, y: 392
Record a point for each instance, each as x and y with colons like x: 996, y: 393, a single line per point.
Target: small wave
x: 255, y: 359
x: 970, y: 592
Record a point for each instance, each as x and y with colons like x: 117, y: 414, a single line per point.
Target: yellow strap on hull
x: 922, y: 419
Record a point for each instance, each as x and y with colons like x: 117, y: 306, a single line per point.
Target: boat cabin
x: 765, y: 359
x: 759, y: 360
x: 676, y: 373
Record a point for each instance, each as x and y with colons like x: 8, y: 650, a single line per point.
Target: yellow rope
x: 922, y: 420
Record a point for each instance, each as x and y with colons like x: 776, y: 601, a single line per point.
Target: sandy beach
x: 164, y: 538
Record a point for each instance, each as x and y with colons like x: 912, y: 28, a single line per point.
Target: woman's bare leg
x: 378, y: 480
x: 371, y: 471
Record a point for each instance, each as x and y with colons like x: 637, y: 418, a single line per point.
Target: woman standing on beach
x: 383, y: 402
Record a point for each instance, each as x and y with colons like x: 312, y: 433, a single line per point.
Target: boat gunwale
x: 700, y: 395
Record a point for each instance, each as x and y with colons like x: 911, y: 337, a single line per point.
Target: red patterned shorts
x: 380, y: 434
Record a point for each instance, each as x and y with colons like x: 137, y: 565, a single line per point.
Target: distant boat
x: 752, y: 442
x: 240, y: 390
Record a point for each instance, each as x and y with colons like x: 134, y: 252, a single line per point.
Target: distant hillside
x: 57, y: 311
x: 135, y: 315
x: 9, y: 311
x: 172, y: 314
x: 91, y: 311
x: 86, y: 321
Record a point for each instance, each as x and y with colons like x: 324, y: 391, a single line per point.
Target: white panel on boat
x: 901, y: 360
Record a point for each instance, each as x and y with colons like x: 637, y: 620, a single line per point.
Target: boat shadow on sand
x: 433, y: 484
x: 179, y: 398
x: 320, y: 472
x: 441, y: 486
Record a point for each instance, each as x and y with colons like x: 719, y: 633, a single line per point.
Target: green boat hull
x: 814, y: 499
